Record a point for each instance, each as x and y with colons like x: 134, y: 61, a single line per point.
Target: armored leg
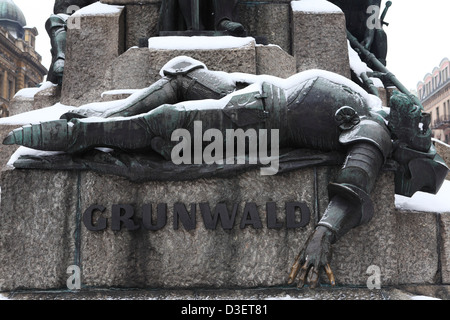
x: 380, y: 46
x: 56, y: 28
x: 182, y: 82
x: 161, y: 92
x: 77, y: 135
x: 186, y: 10
x: 148, y: 131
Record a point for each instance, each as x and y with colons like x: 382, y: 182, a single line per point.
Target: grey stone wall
x: 444, y: 151
x: 319, y: 41
x: 6, y: 151
x: 91, y: 49
x: 271, y: 20
x: 42, y: 233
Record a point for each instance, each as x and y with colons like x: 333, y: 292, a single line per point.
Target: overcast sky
x: 417, y: 35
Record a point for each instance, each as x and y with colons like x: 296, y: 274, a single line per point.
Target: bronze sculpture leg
x: 56, y: 28
x: 224, y: 17
x: 186, y: 10
x: 131, y: 133
x: 211, y: 15
x: 179, y: 85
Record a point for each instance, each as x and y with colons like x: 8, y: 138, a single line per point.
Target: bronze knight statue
x: 56, y: 27
x: 318, y: 111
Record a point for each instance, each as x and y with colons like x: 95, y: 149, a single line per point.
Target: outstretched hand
x: 315, y: 256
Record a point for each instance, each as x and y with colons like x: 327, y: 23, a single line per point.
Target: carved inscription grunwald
x: 297, y: 215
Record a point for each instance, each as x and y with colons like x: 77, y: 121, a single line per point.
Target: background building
x: 20, y: 64
x: 434, y: 92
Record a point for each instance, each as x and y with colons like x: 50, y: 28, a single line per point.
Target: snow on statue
x: 315, y: 109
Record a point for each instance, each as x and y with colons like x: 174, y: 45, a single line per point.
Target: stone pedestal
x: 319, y: 39
x: 316, y: 39
x: 43, y: 231
x: 139, y: 67
x: 21, y: 103
x: 91, y: 49
x: 6, y: 151
x: 270, y: 20
x: 444, y: 151
x: 444, y: 223
x: 47, y: 97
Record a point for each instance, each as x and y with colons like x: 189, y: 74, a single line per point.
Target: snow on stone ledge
x: 441, y: 142
x: 315, y: 6
x: 24, y: 151
x: 426, y: 202
x: 98, y: 8
x: 199, y: 43
x: 30, y: 92
x: 40, y: 115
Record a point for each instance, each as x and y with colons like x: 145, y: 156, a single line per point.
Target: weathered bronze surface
x: 316, y: 113
x: 199, y: 17
x: 56, y: 27
x: 365, y: 21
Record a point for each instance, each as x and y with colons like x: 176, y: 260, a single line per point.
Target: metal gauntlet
x: 350, y: 204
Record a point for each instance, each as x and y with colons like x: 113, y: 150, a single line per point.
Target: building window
x: 10, y: 88
x: 448, y: 108
x: 445, y: 110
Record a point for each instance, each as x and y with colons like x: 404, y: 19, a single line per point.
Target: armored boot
x: 78, y: 135
x: 234, y: 28
x: 56, y: 29
x: 224, y: 18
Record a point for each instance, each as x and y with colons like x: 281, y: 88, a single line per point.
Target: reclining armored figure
x: 316, y: 110
x: 56, y: 27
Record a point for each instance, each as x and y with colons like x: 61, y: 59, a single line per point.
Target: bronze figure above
x: 199, y: 17
x: 365, y: 21
x: 56, y: 27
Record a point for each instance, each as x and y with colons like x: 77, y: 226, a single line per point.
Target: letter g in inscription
x: 87, y: 218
